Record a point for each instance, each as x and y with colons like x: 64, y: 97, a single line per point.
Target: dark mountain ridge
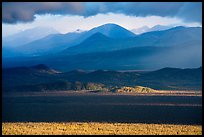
x: 166, y: 78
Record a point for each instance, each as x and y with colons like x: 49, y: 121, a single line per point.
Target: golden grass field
x: 94, y: 128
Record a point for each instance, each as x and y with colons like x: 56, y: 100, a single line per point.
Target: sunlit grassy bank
x: 98, y: 128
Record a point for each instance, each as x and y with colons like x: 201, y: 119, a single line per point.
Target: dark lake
x: 103, y: 108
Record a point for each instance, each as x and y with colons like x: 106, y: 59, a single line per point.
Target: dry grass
x: 93, y: 128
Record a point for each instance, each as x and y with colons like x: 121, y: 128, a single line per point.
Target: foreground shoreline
x: 96, y: 128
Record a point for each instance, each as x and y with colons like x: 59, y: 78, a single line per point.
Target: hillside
x: 54, y: 43
x: 174, y: 37
x: 42, y: 78
x: 137, y: 89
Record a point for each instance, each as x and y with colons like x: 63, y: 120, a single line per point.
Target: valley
x: 102, y: 107
x: 112, y: 113
x: 101, y: 68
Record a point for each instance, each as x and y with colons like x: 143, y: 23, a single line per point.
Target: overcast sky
x: 69, y: 16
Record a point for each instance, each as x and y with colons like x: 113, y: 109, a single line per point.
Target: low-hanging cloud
x: 14, y: 12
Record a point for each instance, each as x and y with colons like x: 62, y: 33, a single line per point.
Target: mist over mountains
x: 111, y: 47
x: 27, y: 36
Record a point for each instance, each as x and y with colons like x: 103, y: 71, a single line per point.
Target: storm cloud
x: 14, y: 12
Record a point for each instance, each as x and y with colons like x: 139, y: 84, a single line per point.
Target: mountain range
x: 57, y: 42
x: 27, y: 36
x: 112, y: 47
x: 42, y: 78
x: 12, y: 42
x: 172, y: 37
x: 145, y: 29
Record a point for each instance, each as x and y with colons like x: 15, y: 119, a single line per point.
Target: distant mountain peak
x: 110, y: 25
x: 113, y: 31
x: 159, y: 28
x: 28, y: 35
x: 146, y: 29
x: 140, y: 30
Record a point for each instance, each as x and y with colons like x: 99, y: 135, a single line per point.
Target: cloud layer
x: 14, y: 12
